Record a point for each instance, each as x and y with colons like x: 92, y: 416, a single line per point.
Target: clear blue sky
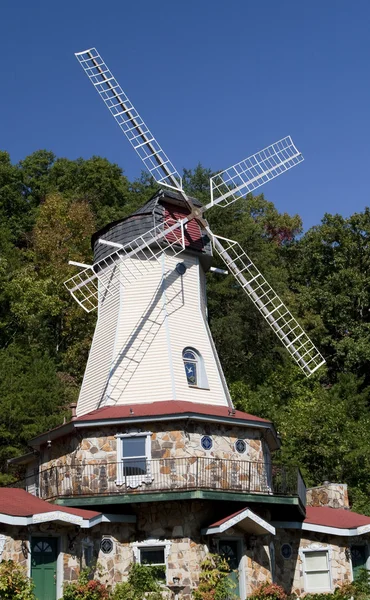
x: 214, y: 80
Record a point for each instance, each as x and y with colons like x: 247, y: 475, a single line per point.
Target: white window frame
x: 134, y: 481
x: 150, y: 543
x: 316, y: 548
x: 202, y: 381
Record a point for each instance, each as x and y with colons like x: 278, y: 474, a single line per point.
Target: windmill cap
x: 151, y: 214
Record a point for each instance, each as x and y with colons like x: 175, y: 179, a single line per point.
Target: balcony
x: 142, y: 476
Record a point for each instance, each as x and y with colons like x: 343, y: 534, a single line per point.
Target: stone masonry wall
x: 88, y: 465
x: 169, y: 440
x: 290, y: 572
x: 258, y: 567
x: 179, y: 524
x: 334, y: 495
x: 14, y: 536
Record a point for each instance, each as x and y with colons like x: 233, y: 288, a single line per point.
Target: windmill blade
x: 125, y: 265
x: 129, y: 120
x: 270, y: 305
x: 249, y: 174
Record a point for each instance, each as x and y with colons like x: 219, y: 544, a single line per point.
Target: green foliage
x: 86, y: 588
x: 142, y: 582
x: 269, y: 591
x: 214, y: 581
x: 49, y: 208
x: 357, y: 590
x: 329, y: 267
x: 14, y: 583
x: 33, y: 397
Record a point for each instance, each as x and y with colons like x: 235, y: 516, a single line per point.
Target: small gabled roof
x: 18, y: 507
x: 147, y: 216
x: 245, y: 519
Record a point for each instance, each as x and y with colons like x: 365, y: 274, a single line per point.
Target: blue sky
x: 214, y: 80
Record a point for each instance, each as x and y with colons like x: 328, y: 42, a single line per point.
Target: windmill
x: 104, y: 278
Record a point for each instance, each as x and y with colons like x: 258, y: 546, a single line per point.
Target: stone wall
x: 289, y: 573
x: 87, y: 465
x: 169, y: 440
x: 14, y: 536
x: 179, y: 524
x: 334, y: 495
x: 258, y: 566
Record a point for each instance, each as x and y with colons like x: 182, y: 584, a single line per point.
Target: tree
x: 330, y: 269
x: 323, y: 429
x: 33, y: 397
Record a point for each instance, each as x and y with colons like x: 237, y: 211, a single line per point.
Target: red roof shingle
x: 166, y: 408
x: 334, y: 517
x: 19, y: 503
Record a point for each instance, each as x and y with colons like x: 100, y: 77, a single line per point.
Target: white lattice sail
x: 252, y: 172
x: 270, y: 305
x: 124, y: 266
x: 129, y: 120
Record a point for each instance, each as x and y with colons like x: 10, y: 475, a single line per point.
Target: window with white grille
x: 317, y: 571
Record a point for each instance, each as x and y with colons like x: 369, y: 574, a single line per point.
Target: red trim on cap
x: 166, y: 408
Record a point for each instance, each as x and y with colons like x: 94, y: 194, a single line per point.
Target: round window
x: 240, y: 446
x: 286, y: 551
x: 206, y: 442
x: 106, y: 545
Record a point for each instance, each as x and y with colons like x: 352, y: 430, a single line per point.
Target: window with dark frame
x: 154, y: 556
x: 191, y: 365
x: 134, y: 457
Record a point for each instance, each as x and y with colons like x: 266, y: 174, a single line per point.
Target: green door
x: 230, y: 550
x: 359, y: 558
x: 44, y: 567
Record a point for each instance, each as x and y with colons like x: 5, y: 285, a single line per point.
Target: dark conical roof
x: 148, y: 216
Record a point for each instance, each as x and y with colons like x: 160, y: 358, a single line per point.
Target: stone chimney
x: 330, y: 494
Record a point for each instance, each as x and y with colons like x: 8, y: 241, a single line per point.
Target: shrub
x: 14, y: 583
x: 85, y: 588
x: 214, y: 582
x: 269, y: 591
x: 142, y: 582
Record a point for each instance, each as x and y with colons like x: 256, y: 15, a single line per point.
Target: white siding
x: 138, y: 358
x: 100, y: 357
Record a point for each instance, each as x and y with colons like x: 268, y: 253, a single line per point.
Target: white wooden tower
x: 152, y: 341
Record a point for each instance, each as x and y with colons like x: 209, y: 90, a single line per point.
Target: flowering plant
x: 86, y: 589
x: 268, y: 591
x: 214, y: 581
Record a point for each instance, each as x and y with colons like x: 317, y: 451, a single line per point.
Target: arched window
x: 194, y: 368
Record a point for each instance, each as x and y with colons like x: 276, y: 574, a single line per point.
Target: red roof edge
x: 163, y: 410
